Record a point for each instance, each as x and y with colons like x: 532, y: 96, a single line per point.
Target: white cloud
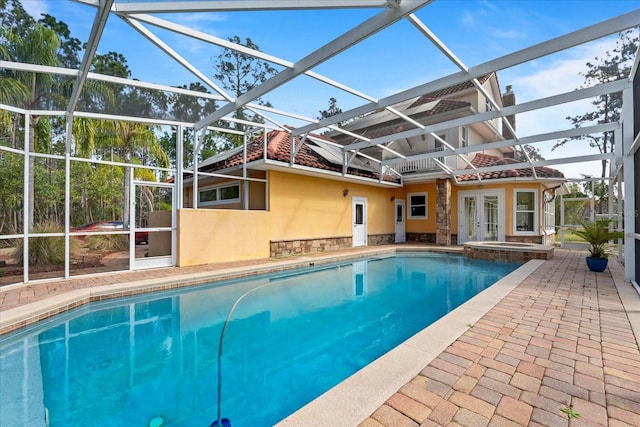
x: 36, y: 8
x: 468, y: 18
x: 553, y: 76
x: 511, y: 34
x: 198, y: 21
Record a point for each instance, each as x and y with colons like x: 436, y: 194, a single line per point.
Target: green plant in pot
x: 598, y: 234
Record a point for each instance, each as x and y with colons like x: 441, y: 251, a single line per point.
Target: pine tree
x: 614, y: 65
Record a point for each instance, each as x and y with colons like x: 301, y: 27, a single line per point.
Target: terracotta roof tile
x: 400, y: 125
x: 486, y: 160
x: 448, y: 91
x: 279, y: 149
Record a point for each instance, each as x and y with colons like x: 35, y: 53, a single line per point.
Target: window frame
x: 409, y: 212
x: 488, y: 106
x: 535, y: 211
x: 549, y: 214
x: 464, y: 136
x: 218, y: 189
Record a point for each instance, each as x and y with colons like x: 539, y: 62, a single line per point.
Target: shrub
x: 108, y: 242
x: 598, y: 235
x: 46, y: 250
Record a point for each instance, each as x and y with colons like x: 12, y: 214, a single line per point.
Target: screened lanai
x: 318, y: 51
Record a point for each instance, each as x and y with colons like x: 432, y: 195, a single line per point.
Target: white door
x: 359, y: 220
x: 480, y: 216
x: 401, y: 235
x: 153, y: 220
x: 468, y: 219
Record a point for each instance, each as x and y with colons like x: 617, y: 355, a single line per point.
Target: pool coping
x: 28, y: 314
x: 370, y: 387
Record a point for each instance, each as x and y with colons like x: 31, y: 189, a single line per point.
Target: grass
x: 45, y: 251
x: 570, y: 412
x: 570, y: 236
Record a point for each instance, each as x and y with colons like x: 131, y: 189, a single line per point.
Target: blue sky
x: 397, y: 58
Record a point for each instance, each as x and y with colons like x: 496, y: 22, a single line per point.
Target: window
x: 218, y: 195
x: 417, y: 205
x: 439, y: 146
x: 526, y: 211
x: 359, y: 214
x: 488, y: 106
x: 550, y: 217
x: 464, y: 136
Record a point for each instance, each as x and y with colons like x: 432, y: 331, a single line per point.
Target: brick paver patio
x: 559, y: 350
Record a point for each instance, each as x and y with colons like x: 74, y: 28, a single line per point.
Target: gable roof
x: 449, y: 90
x: 486, y: 160
x: 389, y: 127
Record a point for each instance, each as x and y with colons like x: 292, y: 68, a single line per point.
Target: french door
x: 480, y: 216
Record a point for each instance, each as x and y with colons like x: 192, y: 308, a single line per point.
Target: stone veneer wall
x: 381, y: 239
x: 282, y: 248
x: 523, y: 239
x: 506, y: 255
x: 428, y: 238
x: 443, y: 212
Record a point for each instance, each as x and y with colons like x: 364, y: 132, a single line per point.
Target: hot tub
x: 507, y: 251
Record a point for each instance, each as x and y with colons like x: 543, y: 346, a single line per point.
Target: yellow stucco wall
x: 307, y: 207
x: 422, y: 225
x: 304, y: 207
x: 207, y: 235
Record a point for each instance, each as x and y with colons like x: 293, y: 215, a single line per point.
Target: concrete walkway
x: 558, y: 350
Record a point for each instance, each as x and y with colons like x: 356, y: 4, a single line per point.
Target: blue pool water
x: 126, y: 361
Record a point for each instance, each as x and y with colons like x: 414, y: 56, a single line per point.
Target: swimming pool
x: 128, y: 361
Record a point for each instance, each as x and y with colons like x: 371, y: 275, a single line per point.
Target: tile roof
x: 448, y: 91
x: 485, y: 160
x: 279, y: 149
x: 400, y: 125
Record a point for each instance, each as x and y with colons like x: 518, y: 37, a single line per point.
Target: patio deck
x: 562, y: 340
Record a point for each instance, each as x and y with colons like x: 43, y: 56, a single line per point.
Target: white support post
x: 245, y: 196
x: 179, y: 167
x: 67, y: 195
x: 178, y: 197
x: 620, y: 213
x: 26, y: 202
x: 195, y: 167
x: 561, y: 222
x: 615, y: 167
x: 132, y: 221
x: 629, y: 185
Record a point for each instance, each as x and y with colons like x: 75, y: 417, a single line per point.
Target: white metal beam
x: 593, y: 32
x: 561, y: 161
x: 99, y: 22
x: 490, y: 115
x: 506, y: 143
x: 176, y: 56
x: 246, y: 5
x: 343, y: 42
x: 217, y: 41
x: 629, y: 172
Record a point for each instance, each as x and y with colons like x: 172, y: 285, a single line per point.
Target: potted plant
x: 598, y: 234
